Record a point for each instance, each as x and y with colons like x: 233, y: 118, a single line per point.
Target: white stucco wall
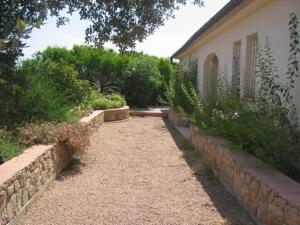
x: 270, y: 21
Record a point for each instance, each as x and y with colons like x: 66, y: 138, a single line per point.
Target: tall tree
x: 121, y: 21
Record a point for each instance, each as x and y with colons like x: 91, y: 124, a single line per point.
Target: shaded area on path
x: 205, y: 176
x: 136, y: 172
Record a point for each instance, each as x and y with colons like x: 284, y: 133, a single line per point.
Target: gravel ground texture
x: 134, y: 174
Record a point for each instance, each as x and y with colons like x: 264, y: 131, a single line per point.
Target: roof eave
x: 215, y: 19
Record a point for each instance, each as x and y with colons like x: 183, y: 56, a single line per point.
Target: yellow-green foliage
x: 98, y: 101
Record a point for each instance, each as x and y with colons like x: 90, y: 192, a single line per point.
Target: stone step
x: 154, y: 112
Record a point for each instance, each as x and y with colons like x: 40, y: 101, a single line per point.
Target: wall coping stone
x: 117, y: 109
x: 11, y: 167
x: 90, y: 117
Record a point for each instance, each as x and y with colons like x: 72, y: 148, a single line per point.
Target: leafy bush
x: 98, y: 101
x: 45, y: 100
x: 65, y: 79
x: 142, y: 82
x: 37, y: 133
x: 74, y: 136
x: 257, y: 132
x: 12, y: 89
x: 56, y: 54
x: 176, y: 91
x: 53, y: 89
x: 103, y: 68
x: 78, y: 112
x: 168, y: 72
x: 9, y: 147
x: 142, y: 79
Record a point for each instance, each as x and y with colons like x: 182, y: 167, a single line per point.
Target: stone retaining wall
x: 116, y: 114
x: 177, y: 119
x: 268, y: 195
x: 94, y: 120
x: 150, y: 113
x: 26, y: 176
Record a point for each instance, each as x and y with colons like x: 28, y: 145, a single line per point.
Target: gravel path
x: 133, y: 174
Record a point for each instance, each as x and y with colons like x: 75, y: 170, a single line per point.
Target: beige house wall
x: 269, y: 19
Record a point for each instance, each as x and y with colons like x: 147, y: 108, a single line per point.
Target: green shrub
x: 78, y: 112
x: 46, y: 101
x: 256, y: 132
x: 8, y: 150
x: 142, y: 79
x: 65, y: 78
x: 178, y: 90
x: 103, y: 68
x: 37, y: 133
x: 142, y: 82
x: 98, y: 101
x: 168, y: 72
x: 56, y: 54
x: 9, y: 146
x: 12, y: 110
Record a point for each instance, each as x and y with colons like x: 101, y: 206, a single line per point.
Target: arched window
x: 211, y: 68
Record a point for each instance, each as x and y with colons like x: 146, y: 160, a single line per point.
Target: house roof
x: 216, y: 18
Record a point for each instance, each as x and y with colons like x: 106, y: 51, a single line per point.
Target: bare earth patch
x: 134, y: 173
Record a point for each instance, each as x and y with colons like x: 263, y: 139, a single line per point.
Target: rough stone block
x: 263, y: 193
x: 291, y: 216
x: 262, y: 212
x: 25, y: 196
x: 10, y: 190
x: 12, y: 207
x: 274, y: 214
x: 19, y: 200
x: 3, y: 197
x: 22, y: 180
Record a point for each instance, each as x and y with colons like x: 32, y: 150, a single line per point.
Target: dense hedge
x: 59, y: 86
x: 49, y: 85
x: 141, y: 78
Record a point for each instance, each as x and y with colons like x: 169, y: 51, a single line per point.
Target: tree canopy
x: 122, y: 22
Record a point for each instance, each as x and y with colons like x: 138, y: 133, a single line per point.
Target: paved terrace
x: 134, y: 173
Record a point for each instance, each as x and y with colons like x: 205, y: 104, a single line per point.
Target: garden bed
x: 25, y: 177
x: 268, y: 195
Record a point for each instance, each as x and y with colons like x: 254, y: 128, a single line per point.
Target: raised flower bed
x: 25, y: 177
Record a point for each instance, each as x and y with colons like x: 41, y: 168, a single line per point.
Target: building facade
x: 227, y: 44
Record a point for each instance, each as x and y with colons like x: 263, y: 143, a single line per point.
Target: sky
x: 164, y: 42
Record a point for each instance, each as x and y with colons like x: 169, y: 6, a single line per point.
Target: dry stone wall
x: 268, y: 195
x: 177, y: 119
x: 94, y: 120
x: 116, y: 114
x: 24, y: 177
